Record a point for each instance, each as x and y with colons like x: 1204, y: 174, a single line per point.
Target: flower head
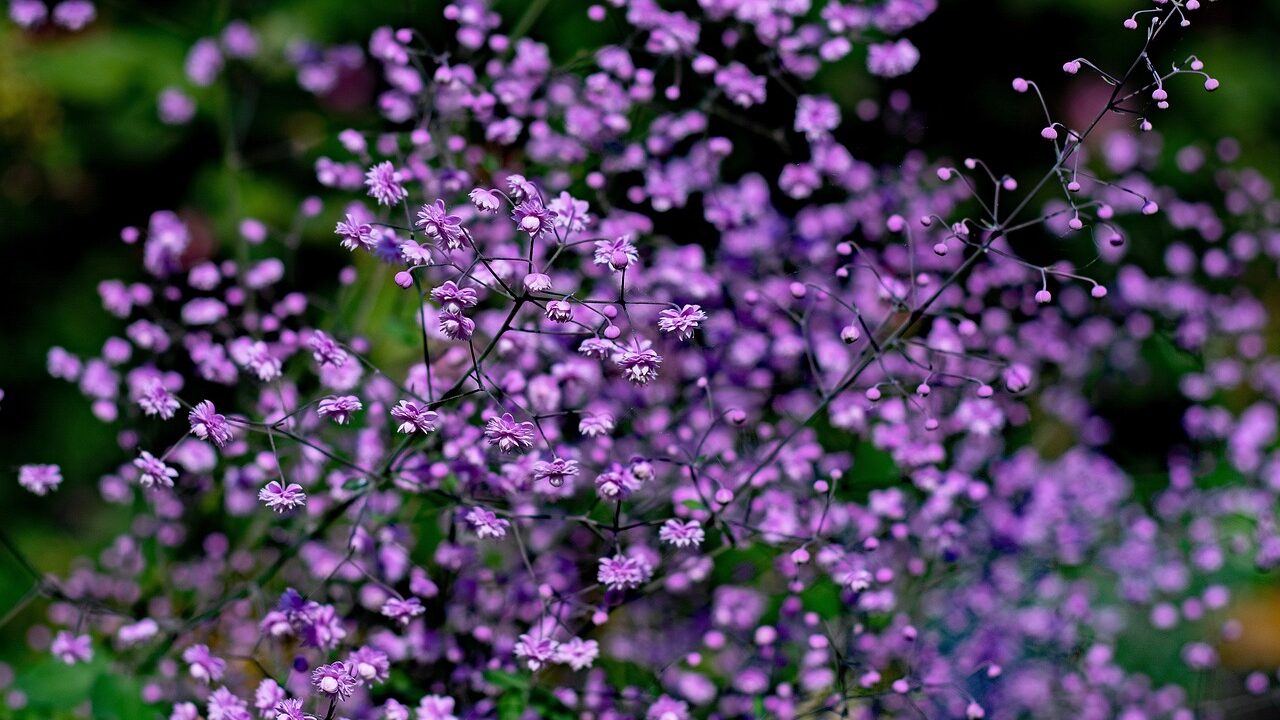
x: 207, y: 424
x: 71, y: 649
x: 154, y: 471
x: 508, y: 435
x: 414, y: 417
x: 40, y: 479
x: 682, y: 322
x: 280, y: 498
x: 384, y: 185
x: 339, y: 408
x: 334, y: 680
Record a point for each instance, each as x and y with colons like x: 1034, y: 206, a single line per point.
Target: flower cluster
x: 626, y: 473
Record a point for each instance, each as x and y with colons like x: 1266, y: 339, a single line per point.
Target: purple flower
x: 578, y: 653
x: 891, y: 59
x: 334, y: 680
x: 204, y: 62
x: 536, y: 651
x: 638, y: 361
x: 559, y: 311
x: 207, y: 424
x: 668, y: 708
x: 454, y: 298
x: 596, y: 424
x: 226, y: 705
x: 556, y: 471
x: 27, y: 14
x: 203, y: 665
x: 339, y: 408
x: 682, y: 322
x: 40, y: 479
x: 267, y: 696
x: 71, y: 649
x: 156, y: 400
x: 682, y: 534
x: 255, y: 356
x: 621, y: 572
x: 486, y: 201
x: 74, y: 15
x: 175, y: 107
x: 354, y: 233
x: 486, y: 524
x: 325, y: 350
x: 507, y: 434
x: 617, y: 254
x: 384, y: 184
x: 440, y: 226
x: 537, y: 282
x: 154, y: 471
x: 456, y: 326
x: 531, y: 217
x: 370, y: 665
x: 289, y: 709
x: 414, y: 417
x: 435, y: 707
x: 281, y: 498
x: 816, y: 116
x: 402, y: 610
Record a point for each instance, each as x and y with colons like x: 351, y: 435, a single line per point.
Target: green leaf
x: 511, y: 705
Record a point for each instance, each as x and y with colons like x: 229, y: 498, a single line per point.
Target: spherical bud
x: 1049, y: 133
x: 1211, y: 84
x: 1116, y: 239
x: 1017, y: 377
x: 901, y: 686
x: 1131, y: 24
x: 736, y: 416
x: 940, y: 249
x: 1020, y: 85
x: 1106, y: 212
x: 618, y: 260
x: 896, y: 223
x: 850, y: 334
x: 931, y: 424
x: 404, y: 279
x: 798, y: 290
x: 944, y: 174
x: 1071, y: 68
x: 873, y: 394
x: 724, y: 496
x: 612, y: 332
x: 1075, y: 223
x: 1098, y: 291
x: 923, y: 389
x: 985, y: 391
x: 1150, y: 208
x: 1159, y: 94
x: 1073, y: 186
x: 1009, y: 184
x: 799, y: 556
x: 1044, y: 297
x: 596, y: 13
x: 1145, y: 126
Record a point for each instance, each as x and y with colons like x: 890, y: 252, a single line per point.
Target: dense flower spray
x: 548, y: 513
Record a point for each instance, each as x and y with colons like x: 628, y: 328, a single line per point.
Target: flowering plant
x: 687, y: 429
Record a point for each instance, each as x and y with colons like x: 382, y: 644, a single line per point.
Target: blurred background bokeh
x: 84, y: 153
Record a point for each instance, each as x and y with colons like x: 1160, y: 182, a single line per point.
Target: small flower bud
x: 404, y: 279
x: 1020, y: 85
x: 1044, y: 297
x: 850, y: 334
x: 1049, y: 133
